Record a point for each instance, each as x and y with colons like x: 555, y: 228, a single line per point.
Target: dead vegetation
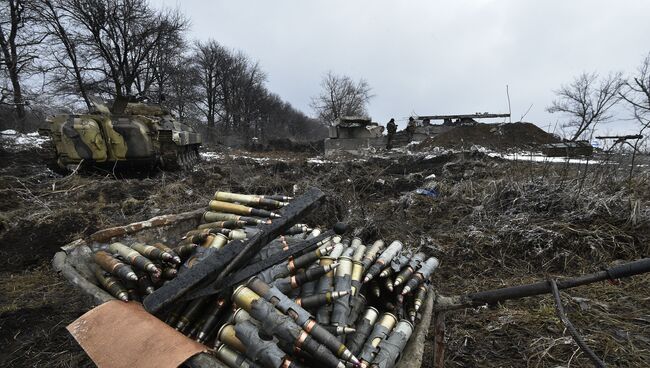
x: 494, y: 223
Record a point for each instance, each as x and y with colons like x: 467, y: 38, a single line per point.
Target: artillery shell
x: 232, y: 358
x: 239, y: 209
x: 363, y: 328
x: 414, y: 263
x: 184, y: 251
x: 230, y: 224
x: 169, y: 273
x: 114, y: 266
x: 339, y: 330
x: 307, y: 258
x: 357, y: 276
x: 210, y: 216
x: 190, y: 314
x: 276, y: 197
x: 386, y: 272
x: 111, y: 284
x: 133, y: 257
x: 420, y: 297
x: 384, y: 260
x: 218, y: 241
x: 390, y: 349
x: 144, y: 283
x: 375, y: 289
x: 228, y: 336
x: 237, y: 234
x: 388, y: 284
x: 152, y: 252
x: 379, y: 333
x: 371, y: 254
x: 301, y: 317
x: 359, y: 252
x: 211, y: 320
x: 176, y: 259
x: 282, y: 326
x: 246, y: 199
x: 317, y: 300
x: 424, y: 273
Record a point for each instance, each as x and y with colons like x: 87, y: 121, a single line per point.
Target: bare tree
x: 636, y: 94
x: 121, y: 35
x: 341, y: 96
x: 587, y: 101
x: 17, y: 44
x: 212, y: 62
x: 65, y: 49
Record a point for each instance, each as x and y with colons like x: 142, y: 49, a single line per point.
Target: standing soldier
x: 391, y: 127
x: 410, y: 128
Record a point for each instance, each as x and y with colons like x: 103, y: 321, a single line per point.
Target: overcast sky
x: 431, y: 57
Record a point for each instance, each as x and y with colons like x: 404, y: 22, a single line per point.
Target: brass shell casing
x: 218, y: 241
x: 231, y: 357
x: 228, y: 336
x: 228, y: 207
x: 244, y: 297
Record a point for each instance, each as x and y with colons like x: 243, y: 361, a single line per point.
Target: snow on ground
x: 211, y: 156
x: 13, y: 141
x: 539, y: 157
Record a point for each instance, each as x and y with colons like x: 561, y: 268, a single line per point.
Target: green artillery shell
x: 184, y: 251
x: 133, y: 257
x: 114, y: 266
x: 228, y: 336
x: 363, y: 328
x: 371, y: 254
x: 414, y: 263
x: 248, y: 200
x: 317, y: 300
x: 210, y: 216
x: 190, y: 314
x: 232, y: 358
x: 211, y: 320
x: 175, y: 258
x: 379, y: 332
x: 144, y: 283
x: 420, y: 297
x: 384, y: 260
x: 282, y: 326
x: 424, y: 273
x: 301, y: 317
x: 391, y: 348
x: 239, y: 209
x: 152, y: 252
x: 111, y: 284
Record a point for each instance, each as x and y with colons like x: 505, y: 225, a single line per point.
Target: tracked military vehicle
x: 131, y: 132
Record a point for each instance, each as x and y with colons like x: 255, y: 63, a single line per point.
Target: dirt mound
x: 493, y: 136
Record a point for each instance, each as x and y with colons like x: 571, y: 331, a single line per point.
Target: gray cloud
x: 431, y: 57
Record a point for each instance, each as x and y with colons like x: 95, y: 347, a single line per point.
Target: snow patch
x: 14, y: 141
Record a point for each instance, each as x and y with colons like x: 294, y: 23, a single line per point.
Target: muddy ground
x: 493, y: 223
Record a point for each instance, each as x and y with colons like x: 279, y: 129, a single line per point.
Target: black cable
x: 574, y: 333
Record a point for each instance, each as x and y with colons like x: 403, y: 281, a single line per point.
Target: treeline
x: 62, y: 52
